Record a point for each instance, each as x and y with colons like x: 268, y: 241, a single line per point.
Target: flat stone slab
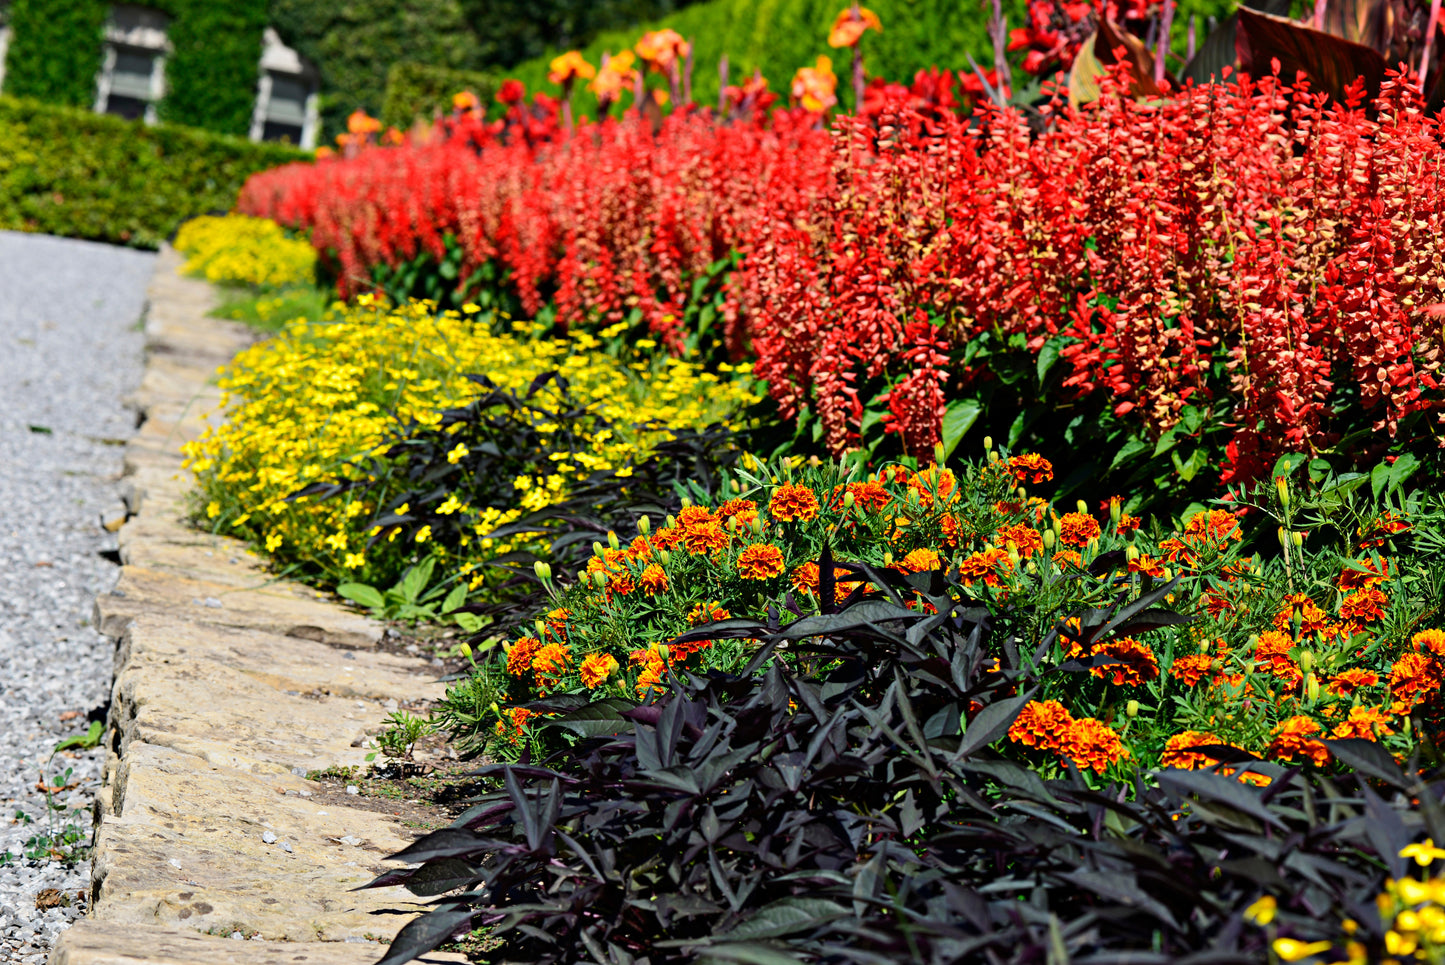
x: 105, y: 943
x: 228, y: 683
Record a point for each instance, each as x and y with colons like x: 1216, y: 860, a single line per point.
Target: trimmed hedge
x: 70, y: 172
x: 211, y: 74
x: 417, y: 90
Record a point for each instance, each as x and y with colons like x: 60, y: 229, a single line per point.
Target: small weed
x: 401, y: 734
x: 268, y: 310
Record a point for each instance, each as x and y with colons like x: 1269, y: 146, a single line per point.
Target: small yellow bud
x: 540, y: 626
x: 735, y: 486
x: 465, y: 649
x: 888, y: 558
x: 1049, y: 540
x: 1306, y: 660
x: 583, y: 576
x: 1116, y: 511
x: 848, y: 500
x: 1168, y: 574
x: 686, y: 501
x: 988, y: 444
x: 1281, y: 486
x: 1131, y: 709
x: 495, y: 709
x: 599, y: 579
x: 664, y: 557
x: 644, y: 525
x: 1297, y: 538
x: 1131, y: 552
x: 613, y: 541
x: 938, y: 453
x: 671, y: 521
x: 597, y: 549
x: 1312, y: 688
x: 757, y: 525
x: 1284, y: 539
x: 543, y: 571
x: 1083, y: 507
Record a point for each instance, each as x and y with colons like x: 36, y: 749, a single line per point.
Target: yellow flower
x: 274, y: 541
x: 1423, y: 852
x: 355, y: 561
x: 458, y: 453
x: 213, y: 509
x: 1293, y: 951
x: 423, y: 534
x: 1262, y: 911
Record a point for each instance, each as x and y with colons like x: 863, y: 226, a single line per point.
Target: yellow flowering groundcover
x: 322, y: 400
x: 241, y: 250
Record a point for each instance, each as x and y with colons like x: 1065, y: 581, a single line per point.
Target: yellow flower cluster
x: 239, y: 249
x: 303, y: 406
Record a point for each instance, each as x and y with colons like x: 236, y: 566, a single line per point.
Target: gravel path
x: 70, y: 349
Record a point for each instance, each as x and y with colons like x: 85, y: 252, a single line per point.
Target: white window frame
x: 140, y: 29
x: 277, y: 58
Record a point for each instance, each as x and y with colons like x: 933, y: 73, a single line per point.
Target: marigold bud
x: 465, y: 649
x: 495, y: 709
x: 848, y: 500
x: 1297, y: 538
x: 599, y: 579
x: 757, y: 525
x: 613, y: 541
x: 686, y: 501
x: 1131, y: 552
x: 1168, y: 574
x: 1013, y: 552
x: 1284, y: 539
x: 888, y: 558
x: 597, y: 548
x: 1312, y: 688
x: 583, y: 576
x: 1281, y: 486
x: 1083, y: 507
x: 670, y: 521
x: 644, y: 525
x: 541, y: 627
x: 664, y: 557
x: 938, y: 454
x: 543, y: 571
x: 1116, y: 510
x: 1049, y: 540
x: 988, y: 445
x: 1131, y: 709
x: 1306, y: 660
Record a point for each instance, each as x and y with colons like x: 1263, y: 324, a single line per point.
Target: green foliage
x: 402, y: 732
x: 411, y: 599
x: 780, y: 36
x: 78, y: 174
x: 861, y: 817
x: 55, y: 50
x: 269, y: 310
x: 212, y: 73
x: 418, y: 90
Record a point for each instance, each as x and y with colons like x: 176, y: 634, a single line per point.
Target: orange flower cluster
x: 760, y: 561
x: 1031, y: 467
x: 1295, y: 738
x: 1180, y: 753
x: 1089, y: 743
x: 1077, y: 529
x: 790, y: 503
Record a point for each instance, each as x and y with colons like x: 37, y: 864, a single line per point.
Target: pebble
x: 269, y: 837
x: 352, y: 789
x: 69, y: 351
x: 286, y: 846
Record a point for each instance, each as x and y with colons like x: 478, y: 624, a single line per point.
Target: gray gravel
x: 70, y: 349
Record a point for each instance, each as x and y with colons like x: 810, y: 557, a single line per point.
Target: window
x: 286, y: 96
x: 4, y: 38
x: 132, y: 74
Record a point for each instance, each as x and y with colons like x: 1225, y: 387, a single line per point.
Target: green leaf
x: 1048, y: 355
x: 747, y: 954
x: 86, y: 741
x: 366, y: 596
x: 1402, y: 470
x: 469, y: 622
x: 455, y: 598
x: 957, y: 420
x: 416, y: 580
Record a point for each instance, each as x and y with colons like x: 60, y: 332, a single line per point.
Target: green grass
x: 269, y: 310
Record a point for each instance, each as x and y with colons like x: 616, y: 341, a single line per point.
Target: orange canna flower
x: 1091, y: 744
x: 568, y: 67
x: 1076, y: 529
x: 1295, y: 737
x: 815, y: 88
x: 791, y: 503
x: 361, y: 123
x: 615, y: 77
x: 465, y: 101
x: 596, y: 668
x: 761, y: 561
x: 1040, y: 724
x: 851, y: 24
x: 661, y: 49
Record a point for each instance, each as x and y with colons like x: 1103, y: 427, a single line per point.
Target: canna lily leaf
x: 1331, y: 63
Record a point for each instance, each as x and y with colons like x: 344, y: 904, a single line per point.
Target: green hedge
x: 70, y: 172
x: 211, y: 74
x: 416, y: 90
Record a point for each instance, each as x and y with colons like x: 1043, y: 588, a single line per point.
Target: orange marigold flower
x: 1216, y: 525
x: 1431, y: 640
x: 1137, y: 665
x: 705, y: 538
x: 1128, y: 524
x: 1191, y: 669
x: 1027, y: 539
x: 1362, y: 574
x: 652, y: 669
x: 707, y: 613
x: 1413, y: 678
x: 1068, y: 556
x: 1076, y: 529
x: 653, y: 580
x: 1369, y: 723
x: 934, y: 481
x: 596, y: 668
x: 1179, y: 750
x: 1375, y: 532
x: 870, y: 496
x: 920, y: 560
x: 1040, y: 724
x: 518, y: 716
x: 1091, y: 744
x: 1297, y: 605
x: 735, y: 506
x: 805, y: 578
x: 1363, y: 606
x: 791, y: 503
x: 1215, y: 603
x: 1346, y: 682
x: 1147, y: 565
x: 1030, y: 467
x: 1273, y: 651
x: 668, y: 537
x: 520, y: 654
x: 761, y: 561
x: 1295, y: 737
x: 984, y: 565
x: 1177, y: 551
x: 954, y: 532
x: 620, y: 582
x: 690, y: 516
x: 552, y: 659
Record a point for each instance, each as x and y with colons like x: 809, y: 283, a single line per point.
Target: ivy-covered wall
x: 55, y: 50
x: 211, y: 73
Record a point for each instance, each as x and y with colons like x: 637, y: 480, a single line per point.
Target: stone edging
x: 228, y: 686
